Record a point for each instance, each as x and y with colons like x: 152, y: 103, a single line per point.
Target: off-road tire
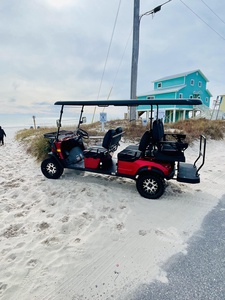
x: 51, y: 168
x: 150, y: 186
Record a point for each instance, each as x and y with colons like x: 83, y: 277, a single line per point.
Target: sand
x: 87, y: 236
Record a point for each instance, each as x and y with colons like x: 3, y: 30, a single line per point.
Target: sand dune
x: 87, y: 236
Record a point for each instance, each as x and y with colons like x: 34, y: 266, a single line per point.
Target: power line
x: 213, y: 11
x: 107, y: 56
x: 120, y: 63
x: 203, y: 20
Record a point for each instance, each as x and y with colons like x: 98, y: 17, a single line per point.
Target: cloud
x: 59, y: 4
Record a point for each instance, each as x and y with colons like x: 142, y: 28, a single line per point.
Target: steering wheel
x: 83, y: 133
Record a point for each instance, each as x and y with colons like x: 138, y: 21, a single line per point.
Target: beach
x: 88, y: 236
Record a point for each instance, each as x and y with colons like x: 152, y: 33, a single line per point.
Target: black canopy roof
x: 131, y: 102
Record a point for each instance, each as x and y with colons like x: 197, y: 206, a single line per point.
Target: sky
x: 54, y: 50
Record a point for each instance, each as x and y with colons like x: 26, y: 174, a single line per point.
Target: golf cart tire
x: 150, y: 186
x: 51, y: 168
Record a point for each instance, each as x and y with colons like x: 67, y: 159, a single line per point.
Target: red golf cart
x: 157, y: 157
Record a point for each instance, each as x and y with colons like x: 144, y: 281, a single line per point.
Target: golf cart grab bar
x: 202, y: 149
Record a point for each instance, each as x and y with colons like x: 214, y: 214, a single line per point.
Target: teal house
x: 180, y: 86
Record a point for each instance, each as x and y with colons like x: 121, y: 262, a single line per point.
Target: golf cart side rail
x: 131, y: 102
x: 202, y: 149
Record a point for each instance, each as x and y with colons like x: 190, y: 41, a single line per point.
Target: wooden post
x: 34, y: 122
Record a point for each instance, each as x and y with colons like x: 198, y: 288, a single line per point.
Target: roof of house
x: 182, y: 75
x: 164, y: 91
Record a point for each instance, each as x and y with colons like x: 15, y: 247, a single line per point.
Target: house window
x: 191, y: 97
x: 192, y: 82
x: 159, y: 85
x: 206, y: 99
x: 200, y: 84
x: 151, y: 97
x: 180, y: 95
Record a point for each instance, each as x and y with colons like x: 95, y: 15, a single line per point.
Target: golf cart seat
x: 109, y: 144
x: 134, y: 152
x: 164, y: 149
x: 160, y: 135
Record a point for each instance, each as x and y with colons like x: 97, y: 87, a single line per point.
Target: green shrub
x: 39, y: 148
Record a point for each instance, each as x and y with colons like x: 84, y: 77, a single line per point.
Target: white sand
x: 86, y: 236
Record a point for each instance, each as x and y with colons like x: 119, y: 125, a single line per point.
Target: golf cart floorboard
x: 110, y: 170
x: 187, y: 173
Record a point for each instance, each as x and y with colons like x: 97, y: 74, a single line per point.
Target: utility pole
x: 135, y: 53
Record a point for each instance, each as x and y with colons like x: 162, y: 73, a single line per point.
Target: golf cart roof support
x: 157, y: 111
x: 131, y: 102
x: 81, y: 113
x: 60, y: 119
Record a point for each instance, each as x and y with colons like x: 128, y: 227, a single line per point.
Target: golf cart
x: 158, y: 156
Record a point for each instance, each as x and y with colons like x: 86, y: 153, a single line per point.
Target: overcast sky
x: 56, y: 49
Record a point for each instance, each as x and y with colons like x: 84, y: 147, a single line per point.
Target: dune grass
x: 38, y: 146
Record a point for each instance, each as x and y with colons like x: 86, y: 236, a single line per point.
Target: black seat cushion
x: 109, y: 144
x: 144, y: 143
x: 129, y: 155
x: 108, y: 138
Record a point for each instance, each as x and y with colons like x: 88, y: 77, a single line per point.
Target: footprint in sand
x: 3, y: 287
x: 64, y: 219
x: 20, y: 214
x: 142, y: 232
x: 20, y: 245
x: 15, y: 195
x: 50, y: 241
x: 5, y: 251
x: 43, y: 226
x: 9, y: 207
x: 32, y: 263
x: 50, y: 215
x: 14, y: 230
x: 120, y: 226
x: 25, y: 188
x: 11, y: 257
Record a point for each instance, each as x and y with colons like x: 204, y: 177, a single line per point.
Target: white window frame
x: 159, y: 85
x: 199, y: 84
x: 180, y: 95
x: 192, y: 82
